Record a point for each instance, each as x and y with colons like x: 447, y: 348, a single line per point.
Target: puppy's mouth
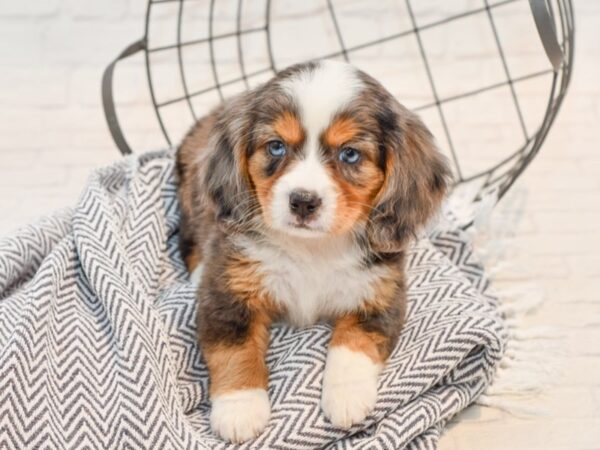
x: 301, y: 226
x: 305, y: 229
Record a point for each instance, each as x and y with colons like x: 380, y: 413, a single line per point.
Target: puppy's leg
x: 234, y: 342
x: 360, y: 344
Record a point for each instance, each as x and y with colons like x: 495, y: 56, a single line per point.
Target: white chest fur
x: 313, y: 281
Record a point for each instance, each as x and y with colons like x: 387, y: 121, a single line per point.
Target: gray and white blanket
x: 98, y: 347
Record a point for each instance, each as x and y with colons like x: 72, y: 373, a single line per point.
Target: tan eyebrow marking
x: 288, y: 127
x: 340, y: 131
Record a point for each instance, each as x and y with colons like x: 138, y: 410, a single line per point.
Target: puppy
x: 299, y: 198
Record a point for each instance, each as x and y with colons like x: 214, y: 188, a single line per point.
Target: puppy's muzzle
x: 304, y: 204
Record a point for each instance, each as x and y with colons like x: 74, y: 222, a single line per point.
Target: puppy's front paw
x: 349, y: 387
x: 240, y: 415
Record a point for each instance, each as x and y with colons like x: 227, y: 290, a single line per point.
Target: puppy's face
x: 315, y: 163
x: 325, y: 149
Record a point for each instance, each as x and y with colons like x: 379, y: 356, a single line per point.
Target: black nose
x: 304, y: 203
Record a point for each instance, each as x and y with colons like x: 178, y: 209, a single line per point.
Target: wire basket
x: 478, y: 104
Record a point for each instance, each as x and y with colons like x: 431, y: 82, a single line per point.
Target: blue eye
x: 276, y: 148
x: 349, y: 155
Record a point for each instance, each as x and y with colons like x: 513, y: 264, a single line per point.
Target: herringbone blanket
x: 98, y: 347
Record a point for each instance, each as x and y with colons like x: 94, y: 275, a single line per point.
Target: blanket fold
x: 98, y: 346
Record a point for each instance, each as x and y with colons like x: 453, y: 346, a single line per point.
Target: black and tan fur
x: 226, y: 179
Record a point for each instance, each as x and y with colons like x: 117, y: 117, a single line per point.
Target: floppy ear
x: 416, y: 180
x: 226, y: 183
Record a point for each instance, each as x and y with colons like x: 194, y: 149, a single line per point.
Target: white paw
x: 240, y: 415
x: 349, y: 387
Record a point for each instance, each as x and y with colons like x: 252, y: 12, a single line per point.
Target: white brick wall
x: 52, y: 55
x: 40, y: 8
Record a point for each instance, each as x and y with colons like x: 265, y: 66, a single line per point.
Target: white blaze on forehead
x: 318, y: 94
x: 321, y: 92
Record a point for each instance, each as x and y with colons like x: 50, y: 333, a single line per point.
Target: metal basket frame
x: 558, y: 43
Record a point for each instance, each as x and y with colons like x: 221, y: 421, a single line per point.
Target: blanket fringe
x: 530, y: 364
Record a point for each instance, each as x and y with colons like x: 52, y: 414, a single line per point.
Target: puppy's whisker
x: 366, y: 205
